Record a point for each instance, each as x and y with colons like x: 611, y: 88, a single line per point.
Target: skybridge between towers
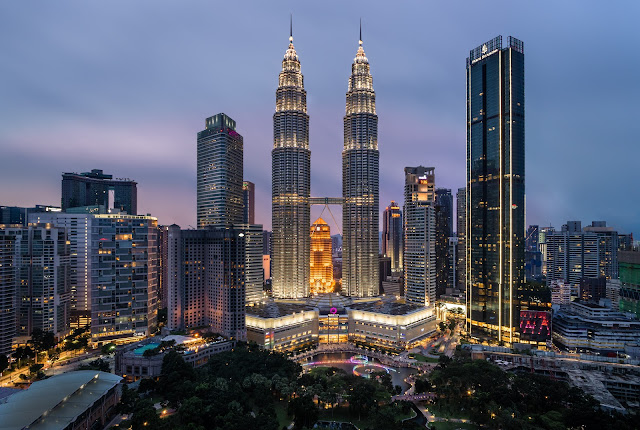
x: 326, y: 200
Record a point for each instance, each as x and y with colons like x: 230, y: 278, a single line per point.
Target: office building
x: 291, y: 182
x: 453, y: 275
x: 162, y: 266
x: 219, y: 185
x: 96, y: 188
x: 420, y: 236
x: 461, y: 231
x: 321, y: 266
x: 392, y: 235
x: 207, y: 278
x: 495, y: 188
x: 360, y: 183
x: 249, y: 202
x: 7, y: 291
x: 444, y: 230
x: 629, y: 286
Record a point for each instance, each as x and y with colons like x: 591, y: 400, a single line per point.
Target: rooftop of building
x: 56, y: 402
x: 387, y: 307
x: 279, y: 308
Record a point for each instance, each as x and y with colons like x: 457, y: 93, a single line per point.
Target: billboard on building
x: 535, y: 326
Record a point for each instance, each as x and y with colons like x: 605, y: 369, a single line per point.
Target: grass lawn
x: 423, y: 358
x: 439, y: 412
x: 281, y: 413
x: 343, y: 414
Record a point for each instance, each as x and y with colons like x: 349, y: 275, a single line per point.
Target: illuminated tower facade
x: 392, y: 233
x: 321, y: 265
x: 291, y: 165
x: 360, y: 183
x: 495, y: 188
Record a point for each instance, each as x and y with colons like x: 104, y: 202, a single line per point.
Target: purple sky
x: 125, y: 86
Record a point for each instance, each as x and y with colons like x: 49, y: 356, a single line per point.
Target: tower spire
x: 360, y: 31
x: 291, y: 27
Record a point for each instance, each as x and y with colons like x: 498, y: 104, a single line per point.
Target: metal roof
x: 56, y: 402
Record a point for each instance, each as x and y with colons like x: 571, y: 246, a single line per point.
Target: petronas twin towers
x: 291, y: 200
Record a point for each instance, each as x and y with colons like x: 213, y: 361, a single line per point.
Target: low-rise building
x: 590, y: 327
x: 385, y: 322
x: 83, y: 399
x: 132, y: 363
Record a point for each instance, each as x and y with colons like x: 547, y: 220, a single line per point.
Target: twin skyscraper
x: 291, y: 185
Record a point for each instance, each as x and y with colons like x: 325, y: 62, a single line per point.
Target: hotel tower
x: 495, y: 188
x: 291, y: 165
x: 360, y: 183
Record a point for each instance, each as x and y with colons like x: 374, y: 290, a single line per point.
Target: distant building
x: 560, y: 293
x: 19, y: 215
x: 321, y: 267
x: 220, y: 164
x: 573, y: 253
x: 495, y: 188
x: 253, y: 274
x: 249, y: 202
x: 629, y: 288
x: 444, y: 230
x: 162, y: 266
x: 453, y: 274
x: 593, y: 289
x: 420, y: 236
x: 96, y: 188
x: 392, y: 235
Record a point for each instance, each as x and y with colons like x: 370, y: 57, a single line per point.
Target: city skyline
x: 71, y: 99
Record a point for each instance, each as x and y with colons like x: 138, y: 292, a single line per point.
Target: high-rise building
x: 495, y: 188
x: 392, y: 236
x: 79, y: 229
x: 96, y: 188
x: 444, y: 230
x: 249, y: 202
x: 124, y: 276
x: 420, y: 236
x: 20, y: 215
x: 219, y: 188
x: 162, y: 266
x: 7, y: 291
x: 41, y: 265
x: 532, y: 254
x: 207, y: 279
x: 461, y: 231
x: 253, y: 274
x: 607, y: 248
x: 291, y: 182
x: 321, y: 264
x: 360, y: 183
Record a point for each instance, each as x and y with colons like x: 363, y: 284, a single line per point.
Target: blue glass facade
x: 495, y: 188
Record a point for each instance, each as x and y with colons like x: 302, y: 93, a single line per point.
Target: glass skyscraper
x: 360, y: 184
x: 220, y: 198
x: 495, y: 188
x: 444, y: 231
x: 95, y: 188
x: 291, y: 182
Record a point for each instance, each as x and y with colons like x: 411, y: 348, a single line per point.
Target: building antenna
x: 360, y: 31
x: 291, y: 27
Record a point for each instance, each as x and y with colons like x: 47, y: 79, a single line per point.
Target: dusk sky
x: 125, y: 86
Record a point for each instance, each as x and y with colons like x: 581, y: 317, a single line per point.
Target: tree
x: 23, y: 352
x: 98, y: 364
x: 108, y: 348
x: 4, y: 363
x: 42, y: 340
x: 304, y: 411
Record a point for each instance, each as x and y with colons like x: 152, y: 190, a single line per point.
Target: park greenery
x: 491, y: 397
x: 250, y: 388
